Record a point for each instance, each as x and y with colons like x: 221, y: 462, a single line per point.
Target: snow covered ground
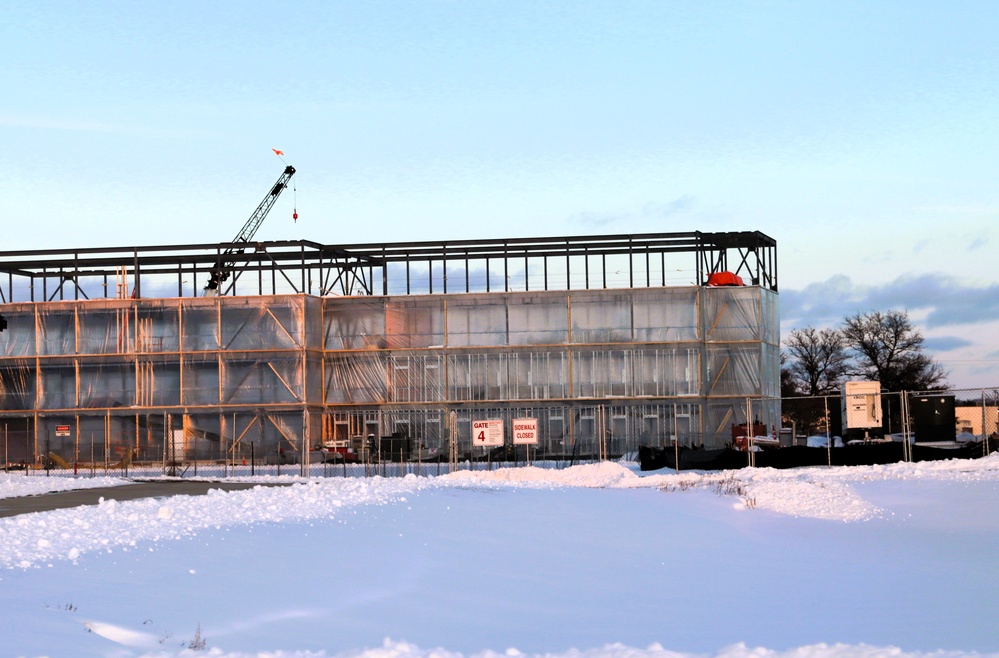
x: 594, y: 560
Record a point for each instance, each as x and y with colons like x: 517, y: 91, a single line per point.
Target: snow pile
x: 30, y: 539
x: 801, y: 493
x: 394, y: 649
x: 18, y: 484
x: 833, y: 501
x: 804, y: 493
x: 599, y: 475
x: 820, y: 492
x: 985, y: 468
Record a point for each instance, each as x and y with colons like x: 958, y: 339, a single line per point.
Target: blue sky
x: 861, y: 135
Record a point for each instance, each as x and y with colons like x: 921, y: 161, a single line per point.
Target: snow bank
x: 804, y: 493
x: 13, y: 485
x: 29, y: 540
x: 33, y: 539
x: 599, y: 475
x: 393, y: 649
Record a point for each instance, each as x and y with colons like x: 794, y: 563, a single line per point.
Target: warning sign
x: 487, y: 433
x: 62, y: 430
x: 525, y: 431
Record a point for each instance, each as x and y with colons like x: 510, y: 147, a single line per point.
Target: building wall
x: 602, y: 370
x: 969, y: 419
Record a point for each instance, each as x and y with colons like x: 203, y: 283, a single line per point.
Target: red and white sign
x: 487, y: 433
x: 62, y: 430
x: 525, y: 431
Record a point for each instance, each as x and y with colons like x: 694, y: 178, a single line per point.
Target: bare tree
x: 818, y: 359
x: 888, y: 349
x: 788, y: 383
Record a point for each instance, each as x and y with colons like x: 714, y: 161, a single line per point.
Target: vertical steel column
x: 568, y: 266
x: 506, y: 270
x: 302, y: 251
x: 631, y: 264
x: 137, y: 289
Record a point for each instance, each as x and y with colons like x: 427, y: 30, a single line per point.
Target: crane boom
x: 226, y: 260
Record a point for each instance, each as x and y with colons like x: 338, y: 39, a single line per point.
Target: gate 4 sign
x: 487, y: 433
x: 525, y: 431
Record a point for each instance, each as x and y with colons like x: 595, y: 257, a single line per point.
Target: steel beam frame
x: 302, y: 266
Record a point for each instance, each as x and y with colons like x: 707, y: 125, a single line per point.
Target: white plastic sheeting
x: 672, y: 362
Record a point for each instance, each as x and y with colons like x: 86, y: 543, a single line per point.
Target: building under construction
x: 608, y: 341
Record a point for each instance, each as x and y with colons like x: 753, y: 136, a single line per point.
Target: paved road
x: 77, y: 497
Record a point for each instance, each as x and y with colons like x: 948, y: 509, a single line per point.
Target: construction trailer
x: 609, y: 341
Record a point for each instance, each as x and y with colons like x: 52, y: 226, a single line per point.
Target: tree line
x: 880, y: 346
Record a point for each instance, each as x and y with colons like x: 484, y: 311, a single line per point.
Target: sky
x: 860, y: 135
x: 593, y: 561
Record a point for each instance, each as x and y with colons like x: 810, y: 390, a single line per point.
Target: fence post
x: 985, y: 436
x: 825, y: 405
x: 452, y: 459
x: 906, y: 427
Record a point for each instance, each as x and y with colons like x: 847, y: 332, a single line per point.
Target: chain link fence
x: 963, y: 416
x: 845, y: 429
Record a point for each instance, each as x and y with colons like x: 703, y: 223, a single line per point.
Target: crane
x: 227, y: 259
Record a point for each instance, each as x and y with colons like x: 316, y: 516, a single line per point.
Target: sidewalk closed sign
x: 487, y: 433
x: 525, y: 431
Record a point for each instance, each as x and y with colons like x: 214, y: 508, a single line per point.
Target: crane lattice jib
x: 258, y: 216
x: 226, y: 261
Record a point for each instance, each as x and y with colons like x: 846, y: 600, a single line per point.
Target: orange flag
x: 277, y: 152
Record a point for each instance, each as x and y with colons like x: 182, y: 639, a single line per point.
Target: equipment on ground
x: 227, y: 259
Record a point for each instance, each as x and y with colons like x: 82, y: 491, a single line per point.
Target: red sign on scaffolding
x: 487, y: 433
x: 525, y: 431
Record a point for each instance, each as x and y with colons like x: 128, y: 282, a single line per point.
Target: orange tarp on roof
x: 725, y: 279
